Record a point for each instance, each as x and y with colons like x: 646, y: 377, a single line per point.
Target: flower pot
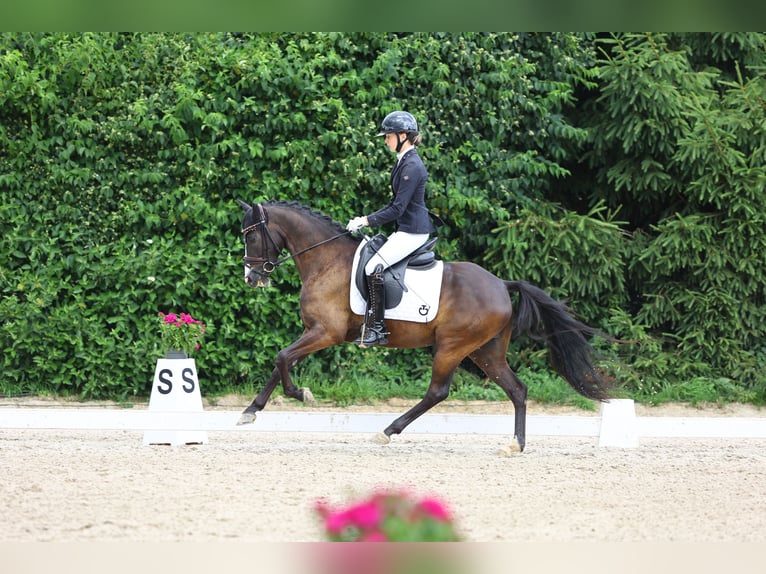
x: 176, y: 354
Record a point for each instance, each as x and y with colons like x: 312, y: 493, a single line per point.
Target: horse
x: 475, y: 317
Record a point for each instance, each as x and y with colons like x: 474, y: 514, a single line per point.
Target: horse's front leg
x: 284, y: 364
x: 311, y: 341
x: 249, y: 414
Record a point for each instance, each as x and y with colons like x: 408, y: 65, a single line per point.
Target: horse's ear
x: 243, y: 205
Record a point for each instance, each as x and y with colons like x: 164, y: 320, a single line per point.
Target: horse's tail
x: 541, y: 317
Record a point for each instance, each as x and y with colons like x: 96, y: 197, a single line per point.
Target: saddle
x: 422, y: 259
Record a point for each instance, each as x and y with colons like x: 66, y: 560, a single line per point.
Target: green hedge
x: 121, y: 156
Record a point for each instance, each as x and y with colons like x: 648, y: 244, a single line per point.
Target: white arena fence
x: 617, y: 421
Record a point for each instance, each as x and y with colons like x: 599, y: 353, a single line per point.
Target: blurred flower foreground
x: 389, y: 516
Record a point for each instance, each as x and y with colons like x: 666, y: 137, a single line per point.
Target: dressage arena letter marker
x: 618, y: 424
x: 175, y: 389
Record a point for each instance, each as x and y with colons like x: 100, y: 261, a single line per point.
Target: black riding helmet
x: 398, y: 122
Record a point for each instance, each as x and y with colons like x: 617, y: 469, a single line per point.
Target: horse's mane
x: 312, y: 212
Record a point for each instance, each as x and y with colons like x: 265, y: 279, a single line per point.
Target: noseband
x: 267, y: 265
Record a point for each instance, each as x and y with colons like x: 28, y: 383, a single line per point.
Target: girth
x: 422, y: 259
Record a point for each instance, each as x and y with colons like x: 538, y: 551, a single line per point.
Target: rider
x: 407, y: 208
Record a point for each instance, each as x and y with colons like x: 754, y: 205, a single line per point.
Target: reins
x: 269, y: 266
x: 309, y: 248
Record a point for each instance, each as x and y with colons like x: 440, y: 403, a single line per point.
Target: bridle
x: 267, y: 265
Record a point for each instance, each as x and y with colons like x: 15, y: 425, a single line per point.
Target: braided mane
x: 294, y: 205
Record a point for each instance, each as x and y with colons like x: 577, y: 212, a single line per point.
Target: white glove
x: 357, y: 223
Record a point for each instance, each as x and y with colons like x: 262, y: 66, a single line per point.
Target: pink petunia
x: 366, y: 515
x: 435, y: 509
x: 171, y: 318
x: 336, y: 522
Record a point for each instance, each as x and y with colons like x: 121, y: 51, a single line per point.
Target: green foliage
x: 121, y: 155
x: 580, y: 257
x: 347, y: 374
x: 680, y: 146
x: 703, y: 390
x: 624, y: 173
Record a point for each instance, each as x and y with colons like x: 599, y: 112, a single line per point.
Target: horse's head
x: 261, y: 251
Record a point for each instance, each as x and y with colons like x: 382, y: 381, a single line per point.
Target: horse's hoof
x: 308, y: 396
x: 511, y: 449
x: 381, y: 438
x: 246, y: 419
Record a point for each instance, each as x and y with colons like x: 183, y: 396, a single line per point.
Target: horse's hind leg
x: 491, y: 359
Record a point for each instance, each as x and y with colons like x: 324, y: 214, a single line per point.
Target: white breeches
x: 398, y: 246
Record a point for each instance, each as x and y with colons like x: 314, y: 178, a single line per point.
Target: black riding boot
x: 374, y: 328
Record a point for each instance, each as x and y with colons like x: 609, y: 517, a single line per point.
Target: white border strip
x: 298, y: 421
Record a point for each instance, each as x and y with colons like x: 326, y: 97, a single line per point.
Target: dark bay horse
x: 475, y: 317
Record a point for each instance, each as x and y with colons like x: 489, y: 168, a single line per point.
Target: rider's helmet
x: 398, y: 122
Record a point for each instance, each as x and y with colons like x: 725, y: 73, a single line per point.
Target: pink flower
x: 435, y: 509
x: 366, y: 515
x: 336, y: 522
x: 171, y: 318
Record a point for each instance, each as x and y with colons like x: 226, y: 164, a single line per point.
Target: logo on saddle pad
x: 412, y: 286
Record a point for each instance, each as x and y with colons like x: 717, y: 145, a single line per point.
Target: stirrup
x: 371, y: 337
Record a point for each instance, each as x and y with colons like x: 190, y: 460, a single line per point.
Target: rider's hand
x: 357, y: 223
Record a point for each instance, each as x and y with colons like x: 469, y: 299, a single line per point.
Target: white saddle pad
x: 419, y: 303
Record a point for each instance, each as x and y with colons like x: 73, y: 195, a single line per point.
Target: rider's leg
x: 374, y: 328
x: 396, y: 248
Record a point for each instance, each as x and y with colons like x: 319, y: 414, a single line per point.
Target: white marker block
x: 618, y: 424
x: 175, y: 389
